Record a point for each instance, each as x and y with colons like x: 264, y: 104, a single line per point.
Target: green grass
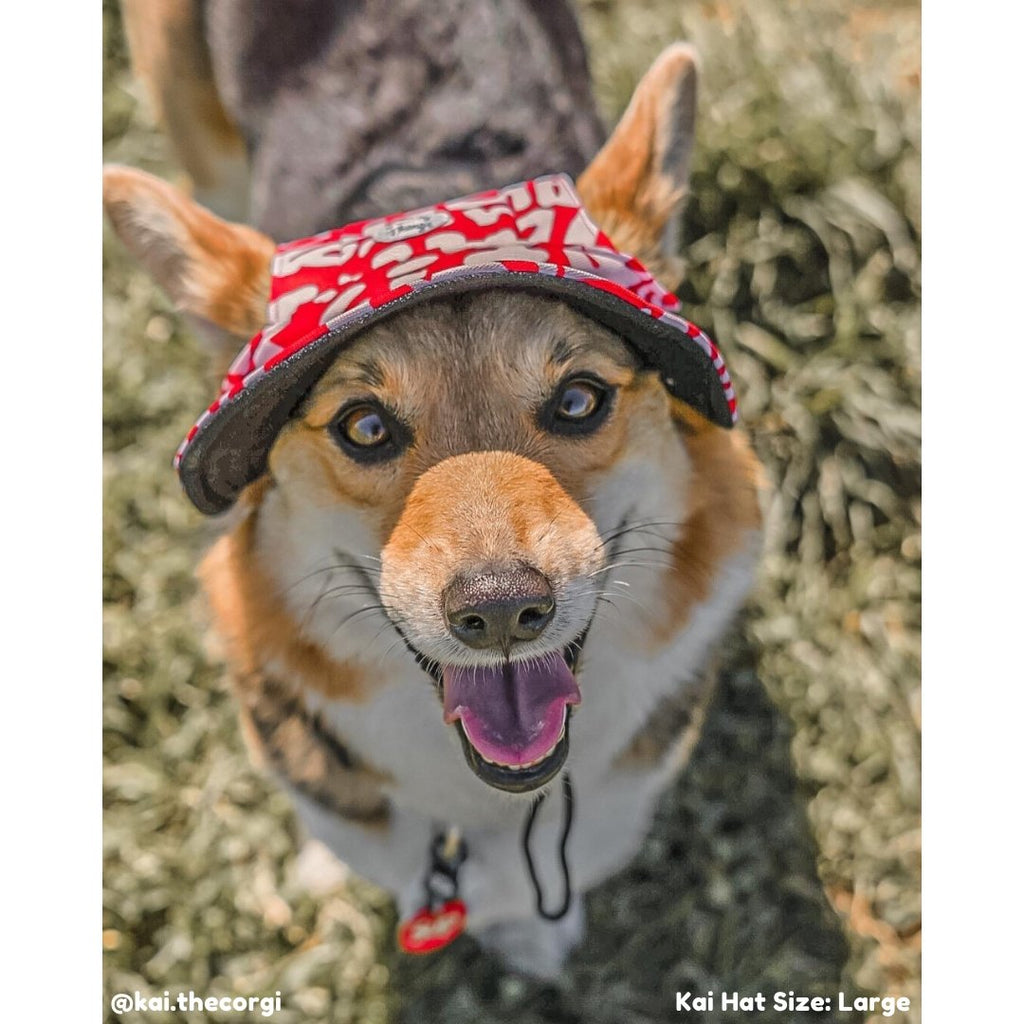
x: 788, y: 857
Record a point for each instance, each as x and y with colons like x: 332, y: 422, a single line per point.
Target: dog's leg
x: 493, y: 882
x: 534, y: 946
x: 613, y: 814
x: 502, y: 901
x: 615, y: 819
x: 392, y: 854
x: 170, y: 56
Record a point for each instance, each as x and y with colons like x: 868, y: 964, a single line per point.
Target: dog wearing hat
x: 486, y: 516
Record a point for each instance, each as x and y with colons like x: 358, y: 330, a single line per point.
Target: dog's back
x: 342, y: 110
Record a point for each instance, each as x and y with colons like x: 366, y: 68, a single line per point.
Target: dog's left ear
x: 635, y: 186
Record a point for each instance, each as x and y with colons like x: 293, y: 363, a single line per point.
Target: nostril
x: 472, y: 629
x: 533, y: 618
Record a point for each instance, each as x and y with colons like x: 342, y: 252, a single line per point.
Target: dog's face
x: 479, y: 462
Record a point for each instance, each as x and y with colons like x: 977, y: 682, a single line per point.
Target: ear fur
x: 635, y: 186
x: 214, y: 270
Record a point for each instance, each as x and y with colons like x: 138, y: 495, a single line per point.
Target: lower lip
x: 522, y: 779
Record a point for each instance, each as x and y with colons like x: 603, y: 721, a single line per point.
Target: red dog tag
x: 428, y: 930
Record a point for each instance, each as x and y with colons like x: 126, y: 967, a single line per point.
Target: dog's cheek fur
x: 311, y: 472
x: 667, y: 465
x: 722, y: 512
x: 252, y: 618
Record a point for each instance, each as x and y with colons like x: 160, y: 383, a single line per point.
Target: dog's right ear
x: 634, y: 188
x: 216, y: 271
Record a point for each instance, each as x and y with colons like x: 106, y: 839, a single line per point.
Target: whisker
x: 396, y: 640
x: 307, y: 617
x: 339, y: 591
x: 359, y: 611
x: 640, y: 526
x: 643, y: 547
x: 345, y: 563
x: 631, y: 597
x: 644, y: 564
x: 547, y: 529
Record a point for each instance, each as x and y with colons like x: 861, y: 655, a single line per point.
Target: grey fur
x: 355, y: 108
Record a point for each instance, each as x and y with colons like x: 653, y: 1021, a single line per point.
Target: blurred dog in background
x: 487, y: 515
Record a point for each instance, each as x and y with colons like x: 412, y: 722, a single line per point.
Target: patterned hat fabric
x: 533, y: 236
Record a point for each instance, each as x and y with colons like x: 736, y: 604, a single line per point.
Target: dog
x: 483, y: 527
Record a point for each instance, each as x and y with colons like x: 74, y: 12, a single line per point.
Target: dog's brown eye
x: 578, y: 401
x: 367, y: 432
x: 579, y: 406
x: 365, y: 427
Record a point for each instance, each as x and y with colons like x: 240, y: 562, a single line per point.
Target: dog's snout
x: 495, y: 609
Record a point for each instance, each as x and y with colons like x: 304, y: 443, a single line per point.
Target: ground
x: 788, y: 856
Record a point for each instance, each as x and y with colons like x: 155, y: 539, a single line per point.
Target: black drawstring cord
x: 551, y: 915
x: 441, y: 882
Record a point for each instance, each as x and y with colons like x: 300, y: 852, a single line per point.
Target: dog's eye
x: 367, y: 433
x: 579, y: 406
x: 365, y: 427
x: 578, y: 401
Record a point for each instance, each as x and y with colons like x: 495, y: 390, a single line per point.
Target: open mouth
x: 513, y: 719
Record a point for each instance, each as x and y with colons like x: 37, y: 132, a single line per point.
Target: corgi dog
x: 488, y: 521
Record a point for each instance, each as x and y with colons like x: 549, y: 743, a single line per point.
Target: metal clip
x: 447, y: 853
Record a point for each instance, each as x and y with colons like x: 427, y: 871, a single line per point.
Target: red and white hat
x: 534, y: 236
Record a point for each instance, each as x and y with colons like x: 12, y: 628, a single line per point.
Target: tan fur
x: 409, y: 502
x: 170, y: 57
x: 723, y: 510
x: 486, y: 509
x: 211, y: 268
x: 632, y: 187
x: 258, y: 630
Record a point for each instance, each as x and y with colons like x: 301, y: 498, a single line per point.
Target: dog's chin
x: 513, y: 722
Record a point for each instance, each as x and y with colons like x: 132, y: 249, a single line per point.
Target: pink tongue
x: 512, y: 714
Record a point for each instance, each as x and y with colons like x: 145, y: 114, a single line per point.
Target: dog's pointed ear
x: 216, y: 271
x: 635, y: 186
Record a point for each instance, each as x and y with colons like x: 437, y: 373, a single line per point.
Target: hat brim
x: 230, y: 448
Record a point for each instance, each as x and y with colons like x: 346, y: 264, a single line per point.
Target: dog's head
x: 495, y: 450
x: 482, y: 474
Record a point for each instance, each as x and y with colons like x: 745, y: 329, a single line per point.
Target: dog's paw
x: 534, y: 946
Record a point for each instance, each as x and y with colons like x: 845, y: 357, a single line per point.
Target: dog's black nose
x: 496, y: 608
